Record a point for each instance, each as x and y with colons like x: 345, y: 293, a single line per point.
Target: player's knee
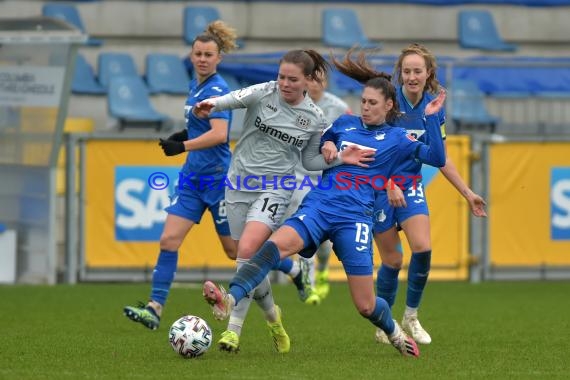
x: 393, y: 260
x: 421, y: 246
x: 170, y: 242
x: 365, y: 308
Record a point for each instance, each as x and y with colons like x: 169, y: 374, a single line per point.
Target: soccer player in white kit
x: 281, y: 121
x: 315, y: 286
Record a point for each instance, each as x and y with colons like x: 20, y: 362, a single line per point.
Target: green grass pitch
x: 487, y: 331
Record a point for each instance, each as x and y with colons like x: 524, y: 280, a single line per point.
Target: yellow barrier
x: 527, y: 209
x: 112, y: 166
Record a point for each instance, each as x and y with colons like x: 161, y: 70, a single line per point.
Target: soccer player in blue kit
x: 341, y: 209
x: 207, y: 144
x: 417, y: 85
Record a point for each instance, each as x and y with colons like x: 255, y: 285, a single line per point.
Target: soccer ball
x: 190, y: 336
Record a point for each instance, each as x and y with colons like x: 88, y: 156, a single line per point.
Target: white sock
x: 411, y: 312
x: 395, y: 333
x: 295, y: 269
x: 239, y: 312
x: 264, y: 299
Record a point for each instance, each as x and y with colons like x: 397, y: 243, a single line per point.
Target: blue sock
x: 163, y: 275
x: 418, y: 273
x: 254, y: 271
x: 286, y: 265
x: 387, y: 283
x: 382, y: 316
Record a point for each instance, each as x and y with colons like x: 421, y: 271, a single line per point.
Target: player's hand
x: 435, y: 105
x: 202, y: 109
x: 353, y: 155
x: 395, y: 195
x: 477, y: 204
x: 179, y: 136
x: 172, y: 148
x: 329, y: 151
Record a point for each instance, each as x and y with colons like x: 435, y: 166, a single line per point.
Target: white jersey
x: 332, y: 106
x: 274, y: 133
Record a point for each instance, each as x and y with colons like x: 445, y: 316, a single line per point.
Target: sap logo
x: 560, y: 203
x: 139, y: 205
x: 271, y: 107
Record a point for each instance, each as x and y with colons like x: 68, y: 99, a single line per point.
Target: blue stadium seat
x: 128, y: 101
x: 84, y: 80
x: 468, y: 107
x: 165, y: 73
x: 341, y: 28
x: 69, y: 14
x: 196, y: 18
x: 477, y: 31
x: 113, y: 64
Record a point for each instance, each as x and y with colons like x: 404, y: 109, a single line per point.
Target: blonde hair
x: 221, y: 33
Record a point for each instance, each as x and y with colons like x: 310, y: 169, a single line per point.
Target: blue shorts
x: 386, y: 216
x: 191, y: 204
x: 352, y: 239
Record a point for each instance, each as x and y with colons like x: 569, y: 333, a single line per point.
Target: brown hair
x: 432, y: 84
x: 221, y: 33
x: 310, y: 61
x: 361, y: 71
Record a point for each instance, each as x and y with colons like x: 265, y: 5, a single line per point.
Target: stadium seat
x: 468, y: 107
x: 84, y: 80
x: 113, y: 64
x: 165, y: 73
x: 341, y: 28
x: 196, y: 18
x: 69, y: 14
x: 129, y: 102
x: 477, y: 31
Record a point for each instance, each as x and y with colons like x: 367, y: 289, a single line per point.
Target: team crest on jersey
x: 380, y: 216
x: 380, y: 136
x: 243, y: 93
x: 302, y: 122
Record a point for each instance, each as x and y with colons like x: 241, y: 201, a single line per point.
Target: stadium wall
x: 301, y: 20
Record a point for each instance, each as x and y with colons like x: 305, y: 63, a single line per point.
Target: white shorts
x: 248, y: 206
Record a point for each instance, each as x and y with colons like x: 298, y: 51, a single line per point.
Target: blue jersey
x: 348, y: 190
x: 413, y: 120
x: 213, y: 161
